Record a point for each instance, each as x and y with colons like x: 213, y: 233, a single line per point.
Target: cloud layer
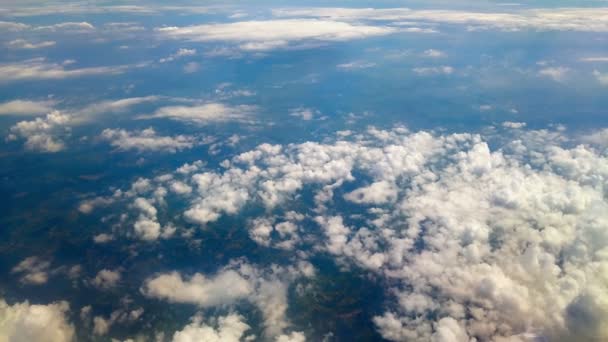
x: 491, y: 244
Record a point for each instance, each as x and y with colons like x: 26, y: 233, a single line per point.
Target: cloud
x: 432, y: 53
x: 208, y: 113
x: 487, y: 237
x: 30, y: 322
x: 113, y: 106
x: 222, y: 288
x: 602, y: 78
x: 68, y: 27
x: 600, y: 59
x: 356, y: 65
x: 106, y: 279
x: 24, y: 44
x: 179, y: 54
x: 39, y: 69
x: 266, y: 289
x: 271, y: 34
x: 25, y: 107
x: 513, y: 125
x: 440, y: 70
x: 42, y: 134
x: 12, y: 26
x: 554, y: 19
x: 558, y: 74
x: 305, y: 114
x: 229, y: 328
x: 33, y: 270
x: 146, y: 140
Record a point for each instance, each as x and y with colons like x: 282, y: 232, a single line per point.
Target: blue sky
x: 383, y: 171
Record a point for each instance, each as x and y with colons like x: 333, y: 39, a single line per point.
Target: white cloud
x: 272, y: 34
x: 24, y: 44
x: 33, y: 270
x: 179, y: 54
x: 207, y: 113
x: 557, y: 74
x: 113, y: 106
x: 267, y: 290
x: 25, y: 107
x: 594, y: 59
x: 305, y: 114
x: 106, y: 279
x: 147, y: 140
x: 229, y: 328
x: 30, y: 322
x: 356, y: 65
x: 180, y: 187
x: 68, y: 27
x: 432, y: 53
x: 439, y: 70
x: 39, y: 69
x: 481, y: 237
x: 602, y: 78
x: 377, y: 193
x: 562, y: 19
x: 513, y: 125
x: 12, y: 26
x: 42, y: 134
x: 223, y: 288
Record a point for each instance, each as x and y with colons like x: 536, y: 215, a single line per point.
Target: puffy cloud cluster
x: 229, y: 328
x: 271, y: 34
x: 33, y: 270
x: 266, y: 289
x: 475, y: 243
x: 106, y: 279
x: 30, y: 322
x: 42, y: 134
x: 146, y: 140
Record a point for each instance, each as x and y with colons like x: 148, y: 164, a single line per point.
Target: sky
x: 311, y: 171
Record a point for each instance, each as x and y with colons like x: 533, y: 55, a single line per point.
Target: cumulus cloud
x: 473, y: 241
x: 146, y: 140
x: 39, y: 69
x: 33, y: 270
x: 513, y: 124
x: 106, y: 279
x: 267, y: 289
x: 25, y: 107
x: 207, y: 113
x: 31, y: 322
x: 229, y: 328
x: 271, y: 34
x: 42, y: 134
x: 224, y: 287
